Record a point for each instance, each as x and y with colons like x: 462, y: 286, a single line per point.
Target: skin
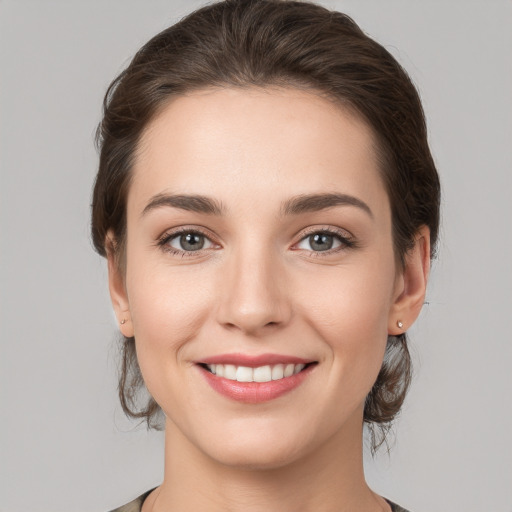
x: 258, y: 286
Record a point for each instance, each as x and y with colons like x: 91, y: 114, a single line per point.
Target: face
x: 258, y: 248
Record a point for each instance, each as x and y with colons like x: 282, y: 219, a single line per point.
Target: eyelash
x: 163, y: 241
x: 346, y: 242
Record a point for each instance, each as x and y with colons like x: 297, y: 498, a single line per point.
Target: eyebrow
x: 192, y: 203
x: 294, y: 206
x: 317, y: 202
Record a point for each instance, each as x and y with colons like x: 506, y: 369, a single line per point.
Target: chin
x: 258, y: 448
x: 257, y: 457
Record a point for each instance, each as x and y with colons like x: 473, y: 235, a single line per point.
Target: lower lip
x: 255, y: 392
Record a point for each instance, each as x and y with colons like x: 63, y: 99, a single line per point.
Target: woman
x: 268, y: 206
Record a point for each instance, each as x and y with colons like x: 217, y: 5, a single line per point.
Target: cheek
x: 349, y: 300
x: 349, y: 310
x: 168, y: 307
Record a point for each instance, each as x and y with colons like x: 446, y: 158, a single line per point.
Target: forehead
x: 255, y: 140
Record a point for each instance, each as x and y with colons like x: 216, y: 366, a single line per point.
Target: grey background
x: 64, y: 444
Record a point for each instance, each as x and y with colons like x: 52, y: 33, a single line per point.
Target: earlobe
x: 412, y: 285
x: 117, y: 288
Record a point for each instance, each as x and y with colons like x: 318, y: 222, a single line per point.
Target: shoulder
x: 395, y: 507
x: 135, y: 505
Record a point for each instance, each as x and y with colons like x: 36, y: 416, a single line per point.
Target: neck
x: 331, y: 479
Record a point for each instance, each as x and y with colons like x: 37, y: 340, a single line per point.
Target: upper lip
x: 253, y: 361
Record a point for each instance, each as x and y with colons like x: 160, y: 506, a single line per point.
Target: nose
x: 253, y: 295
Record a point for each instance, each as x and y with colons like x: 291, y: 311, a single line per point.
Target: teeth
x: 243, y: 374
x: 277, y: 372
x: 260, y: 374
x: 230, y: 372
x: 288, y: 370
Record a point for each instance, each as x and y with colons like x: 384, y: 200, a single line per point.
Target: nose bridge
x: 252, y: 293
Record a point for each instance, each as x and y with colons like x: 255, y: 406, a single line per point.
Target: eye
x: 323, y: 241
x: 186, y: 241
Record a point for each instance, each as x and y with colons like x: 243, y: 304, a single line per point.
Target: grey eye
x: 319, y: 242
x: 190, y: 242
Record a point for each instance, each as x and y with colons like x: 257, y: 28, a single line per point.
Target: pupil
x: 321, y: 242
x: 192, y: 242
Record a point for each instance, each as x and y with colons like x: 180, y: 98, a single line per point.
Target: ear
x: 411, y: 285
x: 116, y: 284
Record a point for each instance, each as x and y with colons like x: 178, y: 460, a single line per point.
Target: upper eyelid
x: 345, y: 237
x: 206, y: 232
x: 174, y: 232
x: 342, y: 233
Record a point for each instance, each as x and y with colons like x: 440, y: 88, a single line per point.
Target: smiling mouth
x: 255, y: 379
x: 266, y: 373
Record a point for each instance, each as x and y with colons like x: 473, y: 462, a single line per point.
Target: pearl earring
x: 399, y: 324
x: 123, y: 321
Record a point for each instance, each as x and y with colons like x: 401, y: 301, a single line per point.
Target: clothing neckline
x: 139, y: 501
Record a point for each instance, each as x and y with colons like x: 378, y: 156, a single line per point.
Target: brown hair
x: 239, y: 43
